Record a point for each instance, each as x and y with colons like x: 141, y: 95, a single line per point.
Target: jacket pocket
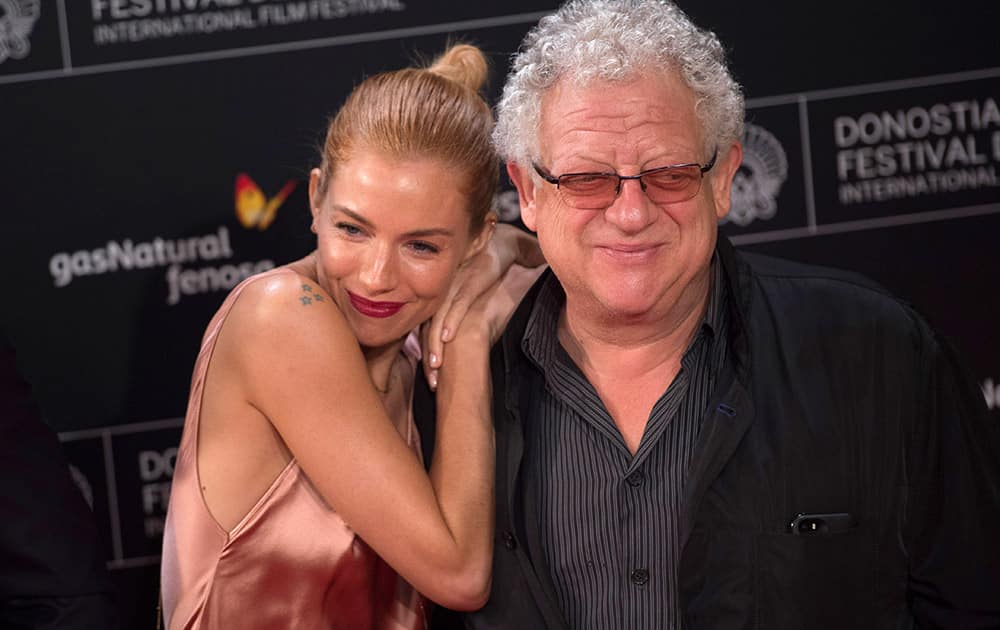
x: 815, y: 580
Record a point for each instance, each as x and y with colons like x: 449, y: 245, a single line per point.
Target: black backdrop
x: 874, y: 144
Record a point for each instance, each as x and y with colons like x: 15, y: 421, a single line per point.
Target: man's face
x: 634, y: 259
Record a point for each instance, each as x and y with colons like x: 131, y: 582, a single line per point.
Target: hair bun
x: 464, y: 64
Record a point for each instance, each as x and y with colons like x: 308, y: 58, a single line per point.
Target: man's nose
x: 632, y: 211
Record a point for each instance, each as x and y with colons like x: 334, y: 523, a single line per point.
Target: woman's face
x: 390, y: 235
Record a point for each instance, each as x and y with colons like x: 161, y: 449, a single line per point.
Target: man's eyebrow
x: 414, y: 234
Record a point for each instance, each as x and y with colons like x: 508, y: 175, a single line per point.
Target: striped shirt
x: 609, y: 520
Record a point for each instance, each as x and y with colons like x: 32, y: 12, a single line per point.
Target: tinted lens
x: 672, y: 184
x: 589, y: 190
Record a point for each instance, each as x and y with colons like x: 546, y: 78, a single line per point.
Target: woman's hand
x: 510, y: 249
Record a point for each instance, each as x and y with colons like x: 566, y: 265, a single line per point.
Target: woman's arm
x: 463, y: 464
x: 301, y: 367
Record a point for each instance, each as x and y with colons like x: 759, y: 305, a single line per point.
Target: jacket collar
x: 730, y: 411
x: 738, y: 277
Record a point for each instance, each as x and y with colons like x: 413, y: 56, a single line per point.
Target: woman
x: 299, y: 481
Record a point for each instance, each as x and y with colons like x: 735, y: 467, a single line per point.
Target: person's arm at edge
x: 954, y: 501
x: 52, y: 573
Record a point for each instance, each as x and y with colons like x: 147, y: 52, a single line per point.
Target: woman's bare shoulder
x: 282, y: 297
x: 285, y: 311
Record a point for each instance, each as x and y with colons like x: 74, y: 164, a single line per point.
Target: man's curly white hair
x: 616, y: 40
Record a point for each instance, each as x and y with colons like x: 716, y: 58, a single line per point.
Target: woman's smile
x: 374, y: 309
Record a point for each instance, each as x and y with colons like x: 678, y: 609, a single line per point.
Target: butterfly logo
x: 253, y: 209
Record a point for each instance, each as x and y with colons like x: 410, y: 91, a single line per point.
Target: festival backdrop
x: 154, y: 153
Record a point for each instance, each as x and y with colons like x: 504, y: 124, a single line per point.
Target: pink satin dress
x: 292, y: 562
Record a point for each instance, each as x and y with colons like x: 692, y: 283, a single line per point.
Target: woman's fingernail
x: 445, y: 335
x: 434, y: 360
x: 433, y: 379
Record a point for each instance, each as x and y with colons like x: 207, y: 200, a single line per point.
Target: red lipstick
x: 374, y: 309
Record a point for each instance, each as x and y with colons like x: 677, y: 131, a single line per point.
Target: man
x: 52, y: 573
x: 689, y: 437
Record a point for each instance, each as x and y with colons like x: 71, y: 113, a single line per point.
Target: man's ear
x: 314, y: 198
x: 722, y: 178
x: 525, y: 193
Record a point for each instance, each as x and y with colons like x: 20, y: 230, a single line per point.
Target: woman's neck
x: 380, y: 362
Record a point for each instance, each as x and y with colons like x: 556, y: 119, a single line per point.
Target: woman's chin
x: 379, y: 334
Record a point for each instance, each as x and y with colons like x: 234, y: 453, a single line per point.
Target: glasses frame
x: 557, y: 179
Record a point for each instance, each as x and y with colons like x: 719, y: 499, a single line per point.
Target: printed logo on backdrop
x: 253, y: 209
x: 991, y: 391
x: 143, y: 461
x: 130, y: 506
x: 156, y: 472
x: 921, y: 150
x: 133, y: 21
x: 105, y: 31
x: 17, y: 20
x: 758, y: 180
x: 83, y: 484
x: 193, y: 265
x: 507, y: 205
x: 929, y: 148
x: 88, y: 469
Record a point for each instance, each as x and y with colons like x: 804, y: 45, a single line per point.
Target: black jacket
x: 837, y: 399
x: 52, y: 573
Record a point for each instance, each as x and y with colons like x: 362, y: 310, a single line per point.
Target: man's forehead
x: 647, y: 106
x: 651, y: 93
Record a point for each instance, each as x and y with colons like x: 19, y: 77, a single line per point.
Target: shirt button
x: 636, y: 479
x: 639, y: 577
x: 509, y: 541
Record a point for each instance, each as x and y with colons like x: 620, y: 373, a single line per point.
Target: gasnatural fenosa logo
x: 17, y: 19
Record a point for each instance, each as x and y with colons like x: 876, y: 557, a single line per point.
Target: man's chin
x: 630, y: 307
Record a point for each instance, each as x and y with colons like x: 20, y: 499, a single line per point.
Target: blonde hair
x: 435, y: 112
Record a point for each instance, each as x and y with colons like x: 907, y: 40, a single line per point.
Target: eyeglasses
x: 596, y: 191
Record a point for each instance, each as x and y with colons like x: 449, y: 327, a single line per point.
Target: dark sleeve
x: 424, y: 416
x: 952, y: 522
x: 52, y: 573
